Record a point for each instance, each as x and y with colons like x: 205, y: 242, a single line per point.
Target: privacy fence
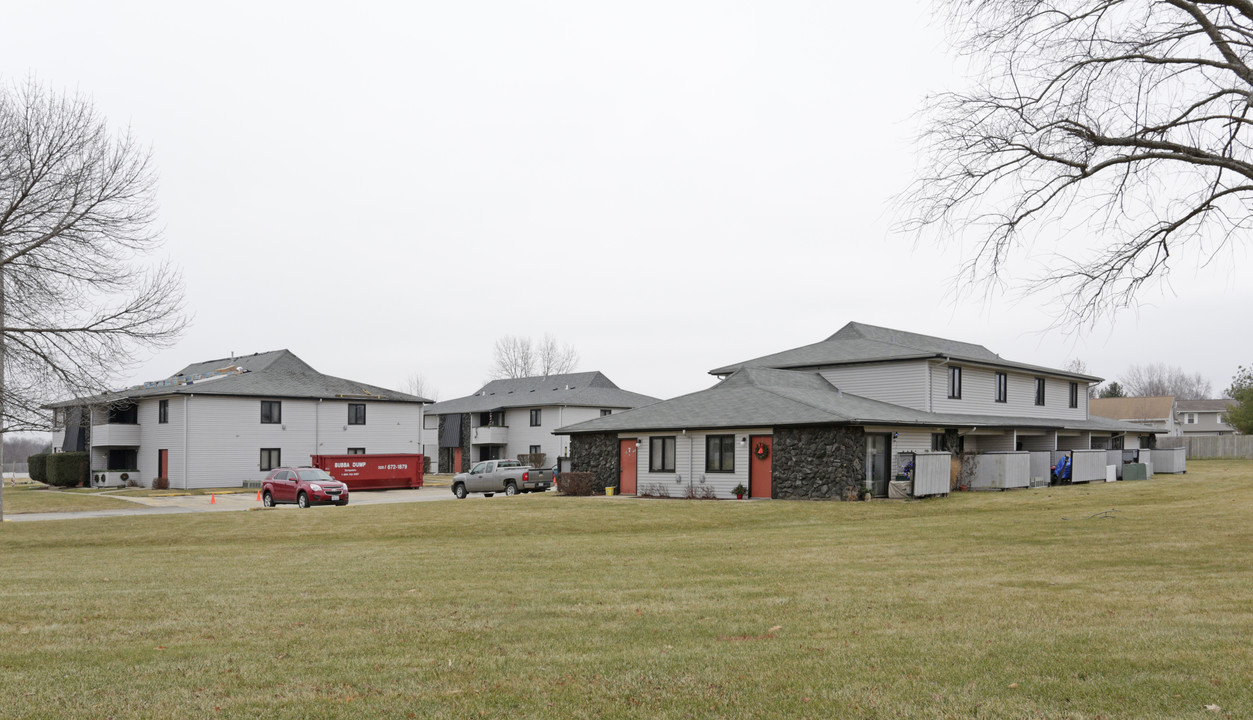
x: 1219, y: 446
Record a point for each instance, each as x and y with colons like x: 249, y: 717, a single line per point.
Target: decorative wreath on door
x: 761, y: 451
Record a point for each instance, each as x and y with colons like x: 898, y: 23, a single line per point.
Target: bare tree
x: 554, y: 359
x: 514, y: 358
x: 1160, y: 379
x: 76, y: 214
x: 520, y: 357
x: 416, y: 384
x: 1122, y: 122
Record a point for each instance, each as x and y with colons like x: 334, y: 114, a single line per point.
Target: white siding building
x: 516, y: 416
x: 849, y: 413
x: 223, y: 423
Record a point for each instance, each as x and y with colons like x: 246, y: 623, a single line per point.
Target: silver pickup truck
x: 501, y: 476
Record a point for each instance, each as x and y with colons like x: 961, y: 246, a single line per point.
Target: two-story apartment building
x: 852, y: 410
x: 224, y: 422
x: 515, y: 416
x: 1200, y: 418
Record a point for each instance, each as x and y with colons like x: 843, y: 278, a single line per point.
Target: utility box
x: 373, y: 472
x: 1135, y: 471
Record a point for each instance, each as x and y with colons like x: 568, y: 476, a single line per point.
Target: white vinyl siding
x: 161, y: 436
x: 225, y: 436
x: 522, y: 436
x: 903, y: 383
x: 979, y: 394
x: 689, y: 463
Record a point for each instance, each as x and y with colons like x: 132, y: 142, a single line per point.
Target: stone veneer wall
x: 596, y: 453
x: 818, y: 462
x: 445, y: 454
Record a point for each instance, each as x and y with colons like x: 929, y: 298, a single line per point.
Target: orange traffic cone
x: 213, y: 498
x: 258, y: 496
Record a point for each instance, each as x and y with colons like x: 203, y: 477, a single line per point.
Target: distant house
x: 1157, y: 412
x: 224, y: 422
x: 850, y: 412
x: 1196, y: 418
x: 515, y: 416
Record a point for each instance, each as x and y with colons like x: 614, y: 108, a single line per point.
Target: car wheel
x: 302, y: 501
x: 511, y: 489
x: 459, y: 490
x: 267, y: 499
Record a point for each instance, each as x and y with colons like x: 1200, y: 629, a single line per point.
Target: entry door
x: 878, y: 452
x: 163, y: 464
x: 456, y: 459
x: 628, y: 456
x: 760, y: 478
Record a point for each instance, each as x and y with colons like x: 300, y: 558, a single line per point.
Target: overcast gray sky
x: 386, y: 188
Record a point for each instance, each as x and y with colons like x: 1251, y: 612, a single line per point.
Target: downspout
x: 317, y: 425
x: 186, y: 421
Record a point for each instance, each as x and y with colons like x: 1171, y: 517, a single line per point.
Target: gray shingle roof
x: 585, y: 389
x: 861, y: 343
x: 276, y: 374
x: 1204, y: 405
x: 764, y: 397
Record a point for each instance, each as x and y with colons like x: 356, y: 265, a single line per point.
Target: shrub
x: 38, y: 466
x: 68, y: 469
x: 577, y: 483
x: 160, y: 483
x: 700, y: 492
x: 655, y: 489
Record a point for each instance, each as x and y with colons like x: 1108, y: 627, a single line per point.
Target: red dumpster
x: 373, y: 472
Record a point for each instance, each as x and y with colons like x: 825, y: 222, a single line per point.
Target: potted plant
x: 865, y: 493
x: 740, y: 491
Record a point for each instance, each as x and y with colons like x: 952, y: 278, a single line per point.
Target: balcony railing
x: 489, y: 435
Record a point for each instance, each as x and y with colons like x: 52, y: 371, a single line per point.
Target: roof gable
x: 584, y: 389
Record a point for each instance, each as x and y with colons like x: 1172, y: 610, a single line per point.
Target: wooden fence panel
x: 1215, y: 446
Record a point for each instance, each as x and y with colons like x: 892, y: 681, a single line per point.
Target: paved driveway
x: 233, y: 502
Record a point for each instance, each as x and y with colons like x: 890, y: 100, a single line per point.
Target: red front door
x: 456, y: 460
x: 760, y: 483
x: 163, y: 464
x: 627, y: 453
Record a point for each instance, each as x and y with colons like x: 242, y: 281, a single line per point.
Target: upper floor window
x: 535, y: 417
x: 271, y: 411
x: 430, y: 422
x: 955, y: 383
x: 1074, y: 394
x: 163, y: 411
x: 1039, y: 391
x: 661, y: 454
x: 606, y: 411
x: 1002, y: 388
x: 720, y: 453
x: 356, y: 451
x: 1189, y: 418
x: 356, y: 413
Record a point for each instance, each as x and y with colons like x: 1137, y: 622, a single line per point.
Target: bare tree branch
x: 77, y: 299
x: 1123, y: 122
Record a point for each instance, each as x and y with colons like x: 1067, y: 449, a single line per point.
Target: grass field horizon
x: 1124, y: 600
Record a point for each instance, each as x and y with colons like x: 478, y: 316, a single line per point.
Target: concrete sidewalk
x: 232, y: 502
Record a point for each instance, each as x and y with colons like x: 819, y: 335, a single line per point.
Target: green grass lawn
x: 1128, y: 600
x: 37, y: 499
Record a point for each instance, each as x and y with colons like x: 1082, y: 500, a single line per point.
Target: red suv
x: 304, y: 486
